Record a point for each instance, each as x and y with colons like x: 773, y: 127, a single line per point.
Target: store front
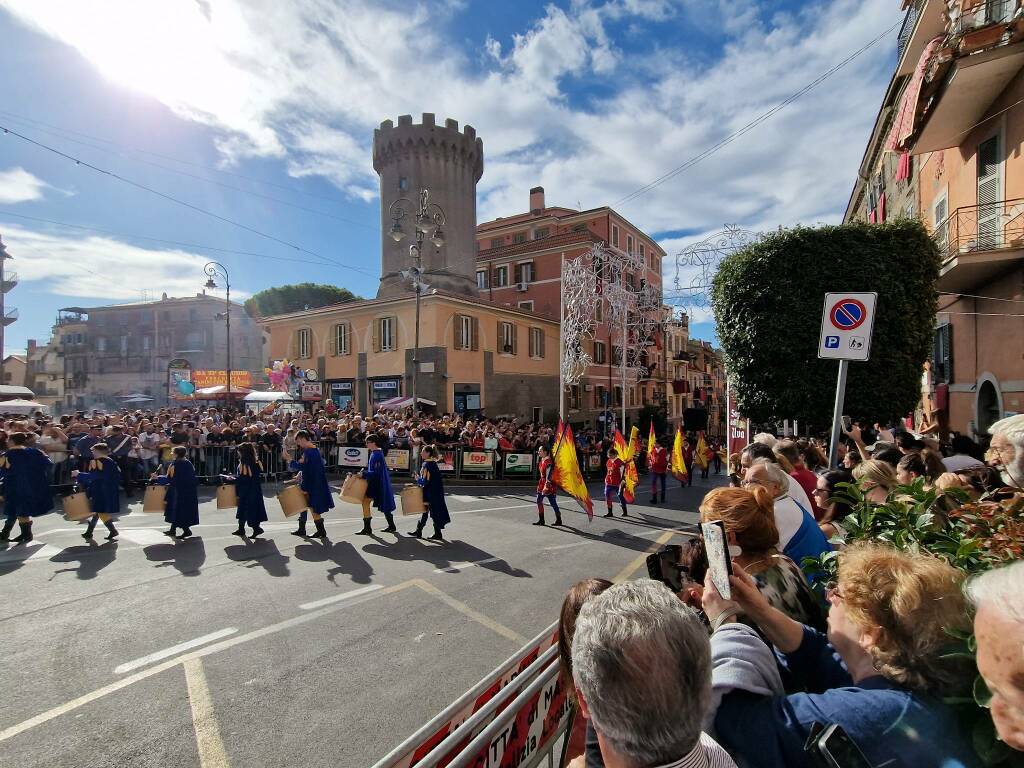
x: 467, y: 400
x: 340, y: 393
x: 383, y: 389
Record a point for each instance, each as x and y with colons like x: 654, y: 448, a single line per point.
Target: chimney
x: 537, y: 201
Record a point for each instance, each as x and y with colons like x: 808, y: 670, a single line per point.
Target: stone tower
x: 448, y: 163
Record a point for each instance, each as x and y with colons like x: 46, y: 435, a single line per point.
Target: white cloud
x: 308, y: 80
x: 19, y: 186
x: 102, y: 268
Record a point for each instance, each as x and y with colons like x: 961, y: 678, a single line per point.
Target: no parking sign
x: 846, y: 326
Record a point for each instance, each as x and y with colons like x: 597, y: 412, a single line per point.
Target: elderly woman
x: 880, y: 673
x: 799, y: 535
x: 876, y: 478
x: 749, y: 520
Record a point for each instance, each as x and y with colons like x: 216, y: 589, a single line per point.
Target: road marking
x: 463, y: 497
x: 464, y: 609
x: 469, y: 564
x: 223, y: 645
x: 28, y: 553
x: 641, y: 559
x: 338, y: 598
x: 128, y: 666
x: 208, y: 741
x: 565, y: 546
x: 143, y: 536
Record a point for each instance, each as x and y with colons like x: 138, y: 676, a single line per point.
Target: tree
x: 767, y: 300
x: 282, y: 299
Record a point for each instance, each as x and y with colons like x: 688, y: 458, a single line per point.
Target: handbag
x: 227, y: 496
x: 76, y: 505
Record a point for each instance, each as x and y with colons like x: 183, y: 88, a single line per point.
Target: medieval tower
x: 448, y: 163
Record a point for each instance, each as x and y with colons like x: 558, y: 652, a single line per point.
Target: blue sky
x: 263, y: 113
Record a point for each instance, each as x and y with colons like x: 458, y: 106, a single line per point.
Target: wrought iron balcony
x: 987, y: 227
x: 909, y: 22
x: 978, y: 14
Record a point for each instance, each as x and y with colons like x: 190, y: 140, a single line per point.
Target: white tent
x: 22, y: 407
x: 266, y: 397
x: 403, y: 401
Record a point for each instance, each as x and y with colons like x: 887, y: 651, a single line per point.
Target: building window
x: 632, y: 397
x: 629, y: 244
x: 615, y: 236
x: 574, y: 397
x: 467, y: 332
x: 519, y: 237
x: 403, y: 184
x: 340, y: 339
x: 481, y: 278
x: 537, y: 342
x: 385, y: 335
x: 524, y: 272
x: 616, y: 354
x: 147, y: 343
x: 501, y: 277
x: 599, y: 396
x: 303, y: 343
x: 124, y: 345
x: 599, y: 311
x: 541, y: 232
x: 599, y: 352
x: 579, y: 228
x: 528, y: 305
x: 101, y: 344
x: 497, y: 242
x: 629, y: 281
x: 643, y: 251
x: 507, y: 338
x: 618, y: 396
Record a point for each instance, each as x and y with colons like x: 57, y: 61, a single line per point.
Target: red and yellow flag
x: 567, y: 474
x: 702, y: 454
x: 679, y: 471
x: 651, y: 439
x: 627, y: 452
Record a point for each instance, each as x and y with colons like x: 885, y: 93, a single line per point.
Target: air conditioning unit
x: 522, y: 286
x: 588, y: 387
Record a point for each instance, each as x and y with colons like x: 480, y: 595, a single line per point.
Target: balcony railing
x: 986, y: 227
x: 909, y: 22
x: 977, y: 14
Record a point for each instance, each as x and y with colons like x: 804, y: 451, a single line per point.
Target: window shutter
x: 334, y: 340
x: 518, y: 273
x: 347, y: 335
x: 475, y: 341
x: 394, y: 332
x: 499, y: 342
x: 457, y: 332
x: 376, y: 334
x: 515, y: 339
x: 540, y: 340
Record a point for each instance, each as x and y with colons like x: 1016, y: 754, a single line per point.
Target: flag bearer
x: 546, y: 486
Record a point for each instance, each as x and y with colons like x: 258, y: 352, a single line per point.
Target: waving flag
x: 567, y: 473
x: 679, y: 471
x: 701, y: 454
x: 627, y: 452
x: 651, y: 440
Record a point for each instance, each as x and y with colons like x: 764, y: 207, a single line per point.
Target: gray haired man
x: 642, y: 667
x: 1007, y: 449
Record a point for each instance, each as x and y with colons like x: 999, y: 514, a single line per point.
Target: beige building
x: 45, y: 374
x: 677, y: 338
x: 475, y: 357
x: 15, y: 370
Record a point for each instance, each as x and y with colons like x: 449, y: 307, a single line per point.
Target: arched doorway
x: 989, y: 406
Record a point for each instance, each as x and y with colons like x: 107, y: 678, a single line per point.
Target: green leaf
x: 982, y: 695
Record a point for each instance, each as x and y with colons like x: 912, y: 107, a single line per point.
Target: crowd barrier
x: 514, y: 717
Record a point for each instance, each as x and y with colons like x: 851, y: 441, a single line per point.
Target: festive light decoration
x: 697, y: 264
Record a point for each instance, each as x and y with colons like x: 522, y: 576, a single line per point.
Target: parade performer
x: 182, y: 508
x: 102, y: 482
x: 657, y: 465
x: 546, y: 486
x: 379, y: 487
x: 613, y: 480
x: 688, y: 458
x: 25, y: 472
x: 313, y: 480
x: 433, y: 495
x: 248, y: 482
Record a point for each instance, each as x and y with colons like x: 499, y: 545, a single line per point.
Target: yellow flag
x: 679, y: 471
x: 651, y: 440
x: 701, y: 454
x: 567, y: 470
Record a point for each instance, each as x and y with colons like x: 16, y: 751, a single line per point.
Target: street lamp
x: 214, y: 269
x: 429, y: 220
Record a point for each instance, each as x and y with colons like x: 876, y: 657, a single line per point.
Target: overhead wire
x: 177, y: 201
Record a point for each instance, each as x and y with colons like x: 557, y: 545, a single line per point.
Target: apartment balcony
x: 923, y: 23
x: 9, y: 317
x: 978, y: 242
x: 10, y: 280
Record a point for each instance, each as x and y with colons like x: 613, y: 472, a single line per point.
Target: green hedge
x: 767, y: 300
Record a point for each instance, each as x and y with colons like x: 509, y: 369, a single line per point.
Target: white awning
x: 398, y: 403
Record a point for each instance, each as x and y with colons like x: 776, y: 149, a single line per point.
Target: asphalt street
x: 220, y: 651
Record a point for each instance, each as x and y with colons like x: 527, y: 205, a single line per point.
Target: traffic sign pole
x: 837, y: 416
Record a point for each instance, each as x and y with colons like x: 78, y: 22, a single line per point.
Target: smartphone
x: 717, y: 548
x: 847, y: 423
x: 664, y: 566
x: 838, y: 750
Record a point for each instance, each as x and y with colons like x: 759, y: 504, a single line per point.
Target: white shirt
x: 788, y: 519
x: 797, y: 492
x: 707, y: 753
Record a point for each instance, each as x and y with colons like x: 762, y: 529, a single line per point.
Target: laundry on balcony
x: 680, y: 387
x: 904, y: 124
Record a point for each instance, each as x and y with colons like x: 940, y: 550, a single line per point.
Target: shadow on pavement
x: 408, y: 549
x: 262, y: 553
x: 92, y: 558
x: 187, y: 557
x: 345, y: 556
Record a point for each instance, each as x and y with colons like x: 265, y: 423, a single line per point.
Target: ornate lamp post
x: 429, y: 218
x: 215, y: 269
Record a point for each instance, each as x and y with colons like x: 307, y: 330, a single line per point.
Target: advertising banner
x: 312, y: 391
x: 398, y: 458
x: 518, y: 463
x: 447, y: 461
x: 477, y: 461
x: 353, y: 457
x: 204, y: 379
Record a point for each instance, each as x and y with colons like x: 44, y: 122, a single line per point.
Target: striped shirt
x: 706, y: 754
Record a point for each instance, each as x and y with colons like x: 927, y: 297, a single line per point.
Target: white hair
x: 764, y: 438
x: 776, y: 474
x: 642, y: 662
x: 1012, y: 428
x: 1002, y: 588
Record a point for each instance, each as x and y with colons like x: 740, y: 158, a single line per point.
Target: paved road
x: 217, y: 651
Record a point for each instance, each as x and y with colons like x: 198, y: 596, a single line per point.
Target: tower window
x: 403, y: 184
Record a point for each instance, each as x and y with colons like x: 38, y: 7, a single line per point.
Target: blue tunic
x: 182, y: 507
x: 379, y: 483
x: 103, y: 486
x: 808, y: 541
x: 314, y: 480
x: 433, y: 495
x: 248, y: 484
x: 26, y: 476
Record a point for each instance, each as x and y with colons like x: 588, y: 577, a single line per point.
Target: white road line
x: 565, y: 546
x: 144, y: 536
x: 28, y: 553
x: 173, y: 650
x: 463, y: 566
x: 209, y: 743
x: 338, y: 598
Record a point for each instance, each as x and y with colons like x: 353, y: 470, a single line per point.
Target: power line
x: 178, y: 201
x: 753, y: 123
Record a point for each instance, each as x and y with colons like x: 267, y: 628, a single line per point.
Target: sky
x: 257, y: 117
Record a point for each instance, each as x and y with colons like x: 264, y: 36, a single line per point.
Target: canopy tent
x: 134, y: 396
x: 135, y: 399
x: 14, y: 391
x: 220, y: 390
x: 20, y: 406
x: 267, y: 397
x: 398, y: 403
